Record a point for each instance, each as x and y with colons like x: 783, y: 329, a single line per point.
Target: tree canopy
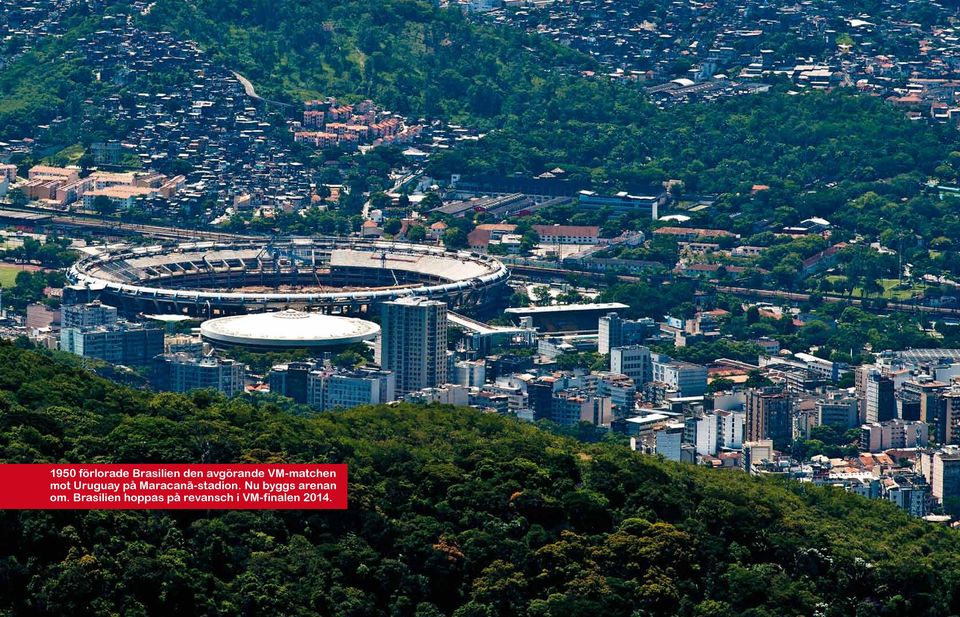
x: 451, y: 512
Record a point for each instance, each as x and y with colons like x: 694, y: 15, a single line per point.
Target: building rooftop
x: 561, y: 308
x: 288, y: 329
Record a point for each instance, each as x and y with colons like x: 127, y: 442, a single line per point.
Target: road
x: 251, y: 91
x: 410, y: 177
x: 534, y: 272
x: 152, y: 231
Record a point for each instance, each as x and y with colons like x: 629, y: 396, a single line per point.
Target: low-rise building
x: 880, y: 436
x: 330, y: 389
x: 185, y: 372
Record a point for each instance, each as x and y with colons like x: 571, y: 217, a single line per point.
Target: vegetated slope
x: 792, y: 142
x: 408, y: 55
x: 43, y: 84
x: 452, y: 512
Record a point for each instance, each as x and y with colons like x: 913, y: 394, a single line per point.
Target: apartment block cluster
x: 63, y: 187
x: 94, y: 331
x: 903, y: 408
x: 906, y: 407
x: 327, y: 123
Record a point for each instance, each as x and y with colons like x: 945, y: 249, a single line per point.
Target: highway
x: 118, y: 227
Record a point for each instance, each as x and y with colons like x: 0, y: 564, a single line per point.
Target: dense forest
x: 452, y: 512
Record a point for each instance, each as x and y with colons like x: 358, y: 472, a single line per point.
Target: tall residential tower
x: 413, y: 342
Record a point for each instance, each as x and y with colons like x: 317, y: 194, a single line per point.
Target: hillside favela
x: 620, y: 308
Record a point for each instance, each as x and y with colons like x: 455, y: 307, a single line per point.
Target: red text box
x: 173, y: 487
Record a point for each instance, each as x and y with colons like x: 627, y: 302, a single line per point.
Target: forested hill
x: 452, y: 512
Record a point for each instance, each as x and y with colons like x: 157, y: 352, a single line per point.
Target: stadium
x: 331, y: 275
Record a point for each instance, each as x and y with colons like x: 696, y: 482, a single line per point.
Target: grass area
x: 891, y: 289
x: 68, y: 156
x: 8, y: 274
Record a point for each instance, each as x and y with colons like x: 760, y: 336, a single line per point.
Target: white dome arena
x: 287, y: 330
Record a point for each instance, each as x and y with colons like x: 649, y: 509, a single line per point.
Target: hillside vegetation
x: 407, y: 55
x: 452, y: 512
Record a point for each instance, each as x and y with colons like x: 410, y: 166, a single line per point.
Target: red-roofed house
x: 826, y: 258
x: 481, y: 236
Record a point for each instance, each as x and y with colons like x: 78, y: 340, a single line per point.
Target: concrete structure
x: 342, y: 389
x: 684, y: 378
x: 126, y: 344
x: 88, y: 315
x: 470, y: 373
x: 941, y: 469
x: 730, y: 427
x: 702, y: 430
x: 624, y: 202
x: 927, y: 391
x: 567, y: 234
x: 876, y: 392
x: 755, y: 453
x: 669, y: 440
x: 615, y: 331
x: 447, y: 394
x: 482, y: 337
x: 287, y: 330
x: 183, y: 372
x: 291, y: 380
x: 41, y: 316
x: 633, y: 361
x: 565, y: 317
x: 825, y: 369
x: 621, y: 390
x: 947, y: 419
x: 643, y: 425
x: 768, y: 415
x: 413, y: 343
x: 212, y: 279
x: 839, y: 411
x: 893, y: 434
x: 908, y: 492
x: 570, y: 407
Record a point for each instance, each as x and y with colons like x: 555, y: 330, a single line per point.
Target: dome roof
x: 292, y: 329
